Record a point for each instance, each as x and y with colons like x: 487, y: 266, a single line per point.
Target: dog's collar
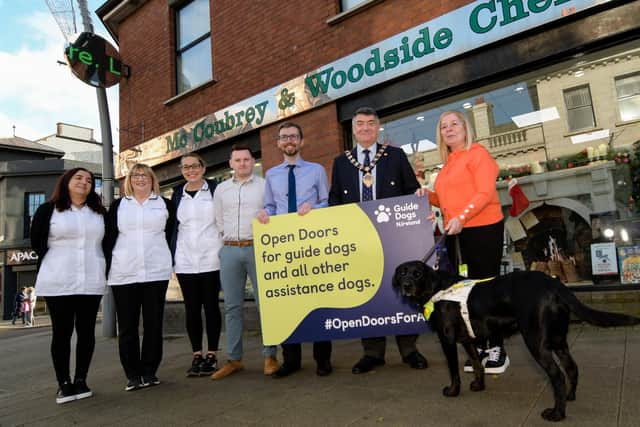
x: 458, y: 292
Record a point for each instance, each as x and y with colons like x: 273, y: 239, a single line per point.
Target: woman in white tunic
x: 139, y: 227
x: 67, y: 233
x: 196, y: 245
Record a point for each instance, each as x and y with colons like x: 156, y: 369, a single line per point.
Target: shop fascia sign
x: 21, y: 256
x: 470, y: 27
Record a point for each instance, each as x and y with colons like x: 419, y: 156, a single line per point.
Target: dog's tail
x: 593, y: 316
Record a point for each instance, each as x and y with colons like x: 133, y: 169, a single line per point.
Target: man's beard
x: 290, y: 150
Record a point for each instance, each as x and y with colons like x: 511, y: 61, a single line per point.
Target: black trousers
x: 481, y: 250
x: 376, y: 346
x: 67, y: 312
x: 292, y: 353
x: 202, y: 290
x: 17, y: 314
x: 131, y: 299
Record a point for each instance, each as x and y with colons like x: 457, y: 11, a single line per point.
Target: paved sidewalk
x: 393, y: 395
x: 43, y: 321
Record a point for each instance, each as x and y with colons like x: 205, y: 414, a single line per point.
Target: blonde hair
x: 442, y: 147
x: 140, y: 167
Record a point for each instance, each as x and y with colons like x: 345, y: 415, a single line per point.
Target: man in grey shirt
x: 236, y: 203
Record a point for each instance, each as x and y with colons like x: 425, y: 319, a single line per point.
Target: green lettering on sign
x: 515, y: 6
x: 474, y: 23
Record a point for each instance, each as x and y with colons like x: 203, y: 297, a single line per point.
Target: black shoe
x: 482, y: 354
x: 150, y: 380
x: 366, y: 364
x: 416, y: 360
x: 194, y: 370
x: 324, y: 368
x: 285, y: 370
x: 81, y: 389
x: 134, y: 384
x: 209, y: 364
x: 66, y: 393
x: 497, y: 361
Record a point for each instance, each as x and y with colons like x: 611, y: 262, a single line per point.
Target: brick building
x: 209, y: 73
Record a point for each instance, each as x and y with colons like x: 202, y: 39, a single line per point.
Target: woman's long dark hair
x: 62, y: 200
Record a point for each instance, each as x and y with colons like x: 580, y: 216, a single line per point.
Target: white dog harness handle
x: 458, y: 292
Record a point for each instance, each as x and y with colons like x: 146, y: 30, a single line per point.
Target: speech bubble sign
x: 327, y: 274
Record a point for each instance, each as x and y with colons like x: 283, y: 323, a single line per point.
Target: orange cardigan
x: 466, y: 188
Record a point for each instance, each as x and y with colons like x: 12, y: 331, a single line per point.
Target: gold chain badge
x: 367, y: 178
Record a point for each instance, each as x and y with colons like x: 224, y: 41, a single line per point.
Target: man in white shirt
x: 236, y: 203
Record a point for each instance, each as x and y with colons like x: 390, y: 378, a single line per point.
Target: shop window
x: 98, y: 186
x: 628, y: 89
x: 579, y: 108
x: 217, y: 174
x: 193, y: 45
x: 520, y: 121
x: 31, y: 203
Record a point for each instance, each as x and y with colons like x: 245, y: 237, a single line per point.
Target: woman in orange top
x: 465, y: 192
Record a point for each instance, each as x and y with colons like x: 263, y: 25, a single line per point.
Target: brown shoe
x: 231, y: 367
x: 271, y: 365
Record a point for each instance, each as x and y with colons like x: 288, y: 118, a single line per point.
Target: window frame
x: 618, y: 98
x: 570, y: 110
x: 180, y: 51
x: 354, y: 10
x: 344, y: 8
x: 27, y: 215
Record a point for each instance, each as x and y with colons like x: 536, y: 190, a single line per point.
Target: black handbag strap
x: 459, y: 261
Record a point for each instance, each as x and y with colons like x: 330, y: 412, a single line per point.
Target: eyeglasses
x: 140, y: 176
x: 288, y: 137
x: 194, y: 167
x: 452, y: 124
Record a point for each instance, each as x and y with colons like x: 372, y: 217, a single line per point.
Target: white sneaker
x: 497, y: 361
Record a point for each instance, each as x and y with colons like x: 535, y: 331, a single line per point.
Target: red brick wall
x: 256, y: 45
x: 323, y: 138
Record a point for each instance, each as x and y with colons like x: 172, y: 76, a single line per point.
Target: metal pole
x: 108, y: 303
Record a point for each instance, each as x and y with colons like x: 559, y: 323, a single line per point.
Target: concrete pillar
x: 483, y: 120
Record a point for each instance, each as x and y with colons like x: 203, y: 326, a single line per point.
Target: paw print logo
x: 382, y: 214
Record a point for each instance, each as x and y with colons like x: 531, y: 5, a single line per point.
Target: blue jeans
x: 235, y: 264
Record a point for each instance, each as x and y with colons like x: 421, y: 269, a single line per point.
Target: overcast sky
x: 35, y: 91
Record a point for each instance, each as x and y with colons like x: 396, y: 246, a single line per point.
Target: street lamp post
x: 99, y: 67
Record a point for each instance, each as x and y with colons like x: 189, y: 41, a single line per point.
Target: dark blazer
x: 112, y: 232
x: 394, y: 177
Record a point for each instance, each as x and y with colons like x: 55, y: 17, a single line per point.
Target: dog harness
x: 458, y: 292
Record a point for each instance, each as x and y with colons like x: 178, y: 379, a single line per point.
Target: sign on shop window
x: 603, y: 259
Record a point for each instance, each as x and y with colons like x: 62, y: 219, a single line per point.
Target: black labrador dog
x: 530, y: 302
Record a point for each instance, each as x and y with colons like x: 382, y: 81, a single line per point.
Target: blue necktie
x: 293, y: 203
x: 367, y: 192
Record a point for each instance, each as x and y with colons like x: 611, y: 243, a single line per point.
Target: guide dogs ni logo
x: 383, y: 214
